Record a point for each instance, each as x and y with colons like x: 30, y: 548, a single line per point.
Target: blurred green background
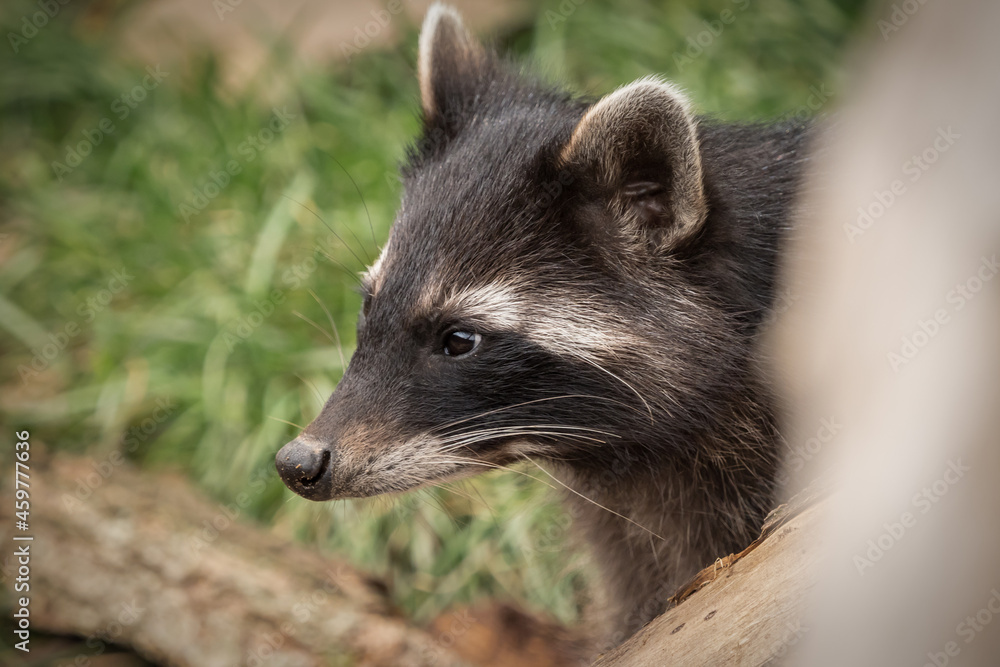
x: 158, y: 301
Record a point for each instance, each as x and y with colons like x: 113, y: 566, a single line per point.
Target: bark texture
x: 136, y: 564
x: 744, y: 610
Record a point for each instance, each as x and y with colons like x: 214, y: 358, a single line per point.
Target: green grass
x: 175, y: 368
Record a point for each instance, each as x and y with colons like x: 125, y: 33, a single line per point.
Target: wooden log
x: 135, y: 564
x: 746, y: 609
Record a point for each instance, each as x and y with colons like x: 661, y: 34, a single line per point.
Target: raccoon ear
x: 639, y: 146
x: 449, y: 64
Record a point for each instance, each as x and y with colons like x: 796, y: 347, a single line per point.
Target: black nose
x: 304, y: 466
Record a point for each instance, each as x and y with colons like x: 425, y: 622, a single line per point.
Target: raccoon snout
x: 304, y: 465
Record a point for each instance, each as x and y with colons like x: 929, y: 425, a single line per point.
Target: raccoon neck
x: 651, y: 527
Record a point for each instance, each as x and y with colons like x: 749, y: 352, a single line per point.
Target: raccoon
x: 580, y: 283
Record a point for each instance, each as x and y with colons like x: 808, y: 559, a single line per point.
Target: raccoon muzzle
x: 305, y: 466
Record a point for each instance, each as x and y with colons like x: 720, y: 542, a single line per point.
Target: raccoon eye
x: 458, y: 343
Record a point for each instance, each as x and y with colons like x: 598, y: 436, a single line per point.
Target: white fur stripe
x: 496, y: 305
x: 563, y: 326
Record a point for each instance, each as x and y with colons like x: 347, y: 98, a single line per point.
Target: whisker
x: 285, y: 421
x: 485, y: 503
x: 315, y: 326
x: 346, y: 270
x: 431, y: 501
x: 448, y: 487
x: 522, y: 404
x: 501, y: 426
x: 371, y: 227
x: 596, y: 365
x: 315, y: 389
x: 594, y: 502
x: 333, y: 328
x: 493, y: 466
x: 479, y: 437
x: 327, y: 225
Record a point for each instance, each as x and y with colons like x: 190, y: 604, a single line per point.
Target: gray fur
x: 616, y: 259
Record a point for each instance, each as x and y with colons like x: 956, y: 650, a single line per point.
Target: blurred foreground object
x: 895, y: 335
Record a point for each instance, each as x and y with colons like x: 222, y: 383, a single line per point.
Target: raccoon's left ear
x: 450, y: 66
x: 639, y: 147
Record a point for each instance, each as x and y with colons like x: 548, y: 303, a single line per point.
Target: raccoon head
x: 532, y: 299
